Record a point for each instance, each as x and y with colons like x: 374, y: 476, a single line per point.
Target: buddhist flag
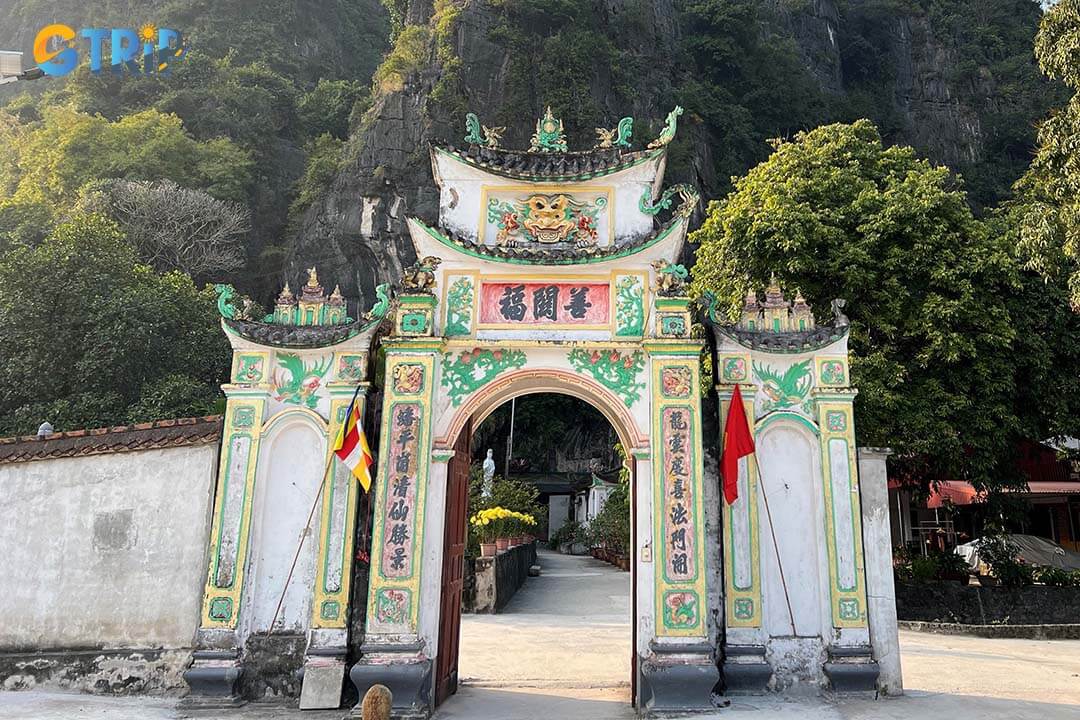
x: 738, y: 442
x: 352, y: 446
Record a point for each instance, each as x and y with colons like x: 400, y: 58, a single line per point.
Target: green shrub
x: 950, y: 564
x: 1001, y: 554
x: 1057, y: 577
x: 571, y: 532
x: 924, y: 569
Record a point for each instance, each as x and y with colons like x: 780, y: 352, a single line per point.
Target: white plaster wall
x: 292, y: 459
x: 790, y: 477
x: 462, y: 189
x: 558, y: 512
x: 105, y: 550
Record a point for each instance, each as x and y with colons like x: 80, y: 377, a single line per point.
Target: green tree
x: 1049, y: 193
x: 836, y: 214
x: 57, y: 157
x: 94, y: 338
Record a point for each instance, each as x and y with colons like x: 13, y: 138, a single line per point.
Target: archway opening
x: 561, y: 460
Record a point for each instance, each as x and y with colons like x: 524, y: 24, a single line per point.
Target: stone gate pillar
x: 678, y: 672
x: 393, y: 651
x: 796, y: 596
x: 294, y: 373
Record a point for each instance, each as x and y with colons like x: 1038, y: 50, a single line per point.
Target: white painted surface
x: 843, y: 527
x: 877, y: 558
x: 462, y: 188
x: 290, y: 470
x: 790, y: 478
x: 105, y: 550
x: 558, y: 512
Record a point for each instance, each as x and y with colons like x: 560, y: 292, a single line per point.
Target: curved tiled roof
x: 522, y: 165
x: 297, y: 336
x: 545, y: 255
x: 122, y: 438
x: 783, y: 342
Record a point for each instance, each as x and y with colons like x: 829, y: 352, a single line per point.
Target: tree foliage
x: 1049, y: 193
x: 173, y: 227
x: 94, y: 337
x: 836, y: 214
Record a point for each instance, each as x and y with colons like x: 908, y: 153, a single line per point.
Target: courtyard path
x: 570, y: 627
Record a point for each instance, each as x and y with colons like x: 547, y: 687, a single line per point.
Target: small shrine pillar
x: 282, y: 495
x: 795, y: 584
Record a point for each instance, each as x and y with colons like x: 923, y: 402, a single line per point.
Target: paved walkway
x: 561, y: 650
x: 570, y: 627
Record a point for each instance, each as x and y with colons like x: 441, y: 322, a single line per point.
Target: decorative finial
x: 419, y: 278
x: 472, y: 129
x: 44, y: 429
x: 549, y: 135
x: 751, y: 301
x: 617, y: 137
x: 840, y: 319
x: 312, y: 278
x: 668, y: 133
x: 492, y: 136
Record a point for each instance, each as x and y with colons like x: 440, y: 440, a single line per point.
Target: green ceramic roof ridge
x: 639, y: 157
x: 660, y: 235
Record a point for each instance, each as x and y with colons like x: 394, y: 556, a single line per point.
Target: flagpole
x: 311, y: 513
x: 776, y: 547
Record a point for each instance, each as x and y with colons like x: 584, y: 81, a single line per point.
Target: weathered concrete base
x: 321, y: 689
x: 95, y: 670
x: 677, y: 679
x: 745, y: 670
x: 213, y: 678
x: 407, y: 674
x: 273, y: 666
x: 851, y: 669
x: 1067, y: 631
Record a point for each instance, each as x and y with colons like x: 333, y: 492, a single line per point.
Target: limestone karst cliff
x: 956, y: 81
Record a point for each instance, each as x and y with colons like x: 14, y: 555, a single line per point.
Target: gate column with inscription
x: 393, y: 652
x: 678, y: 671
x: 795, y: 610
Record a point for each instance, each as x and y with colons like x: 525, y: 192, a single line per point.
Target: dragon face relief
x: 549, y: 218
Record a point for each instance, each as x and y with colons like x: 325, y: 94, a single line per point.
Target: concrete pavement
x: 561, y: 650
x: 570, y: 627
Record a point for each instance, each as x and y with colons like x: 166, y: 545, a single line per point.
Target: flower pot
x: 487, y: 549
x: 502, y: 544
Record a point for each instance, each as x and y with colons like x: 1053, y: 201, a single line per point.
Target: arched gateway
x: 548, y: 271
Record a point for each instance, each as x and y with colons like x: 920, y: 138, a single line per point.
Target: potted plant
x: 484, y: 524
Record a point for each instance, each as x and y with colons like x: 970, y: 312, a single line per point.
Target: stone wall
x: 950, y: 602
x: 498, y: 578
x: 104, y: 556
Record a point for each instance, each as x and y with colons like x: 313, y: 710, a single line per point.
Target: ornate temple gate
x: 548, y: 271
x: 543, y: 276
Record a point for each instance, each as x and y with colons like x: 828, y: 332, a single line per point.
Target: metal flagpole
x: 776, y: 547
x: 510, y: 439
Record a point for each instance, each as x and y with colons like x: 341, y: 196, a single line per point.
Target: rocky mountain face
x: 963, y: 94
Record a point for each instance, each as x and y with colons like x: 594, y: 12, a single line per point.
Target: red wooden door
x: 454, y: 538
